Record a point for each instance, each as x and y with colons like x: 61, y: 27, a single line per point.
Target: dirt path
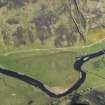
x: 48, y: 49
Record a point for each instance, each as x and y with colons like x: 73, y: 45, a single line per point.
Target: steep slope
x: 49, y: 23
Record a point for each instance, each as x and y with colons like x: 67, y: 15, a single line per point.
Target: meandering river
x: 77, y: 66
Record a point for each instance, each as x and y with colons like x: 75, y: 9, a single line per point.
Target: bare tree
x: 79, y: 20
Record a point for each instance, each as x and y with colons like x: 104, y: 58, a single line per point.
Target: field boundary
x: 48, y: 49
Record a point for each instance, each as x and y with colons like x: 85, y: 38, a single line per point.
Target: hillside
x: 49, y: 24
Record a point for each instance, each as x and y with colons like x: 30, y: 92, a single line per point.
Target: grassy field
x: 54, y: 68
x: 45, y: 67
x: 15, y: 92
x: 95, y: 70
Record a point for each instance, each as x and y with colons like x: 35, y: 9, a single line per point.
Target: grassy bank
x: 54, y: 68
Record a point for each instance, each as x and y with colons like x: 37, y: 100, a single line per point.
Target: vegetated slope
x: 38, y: 24
x: 44, y: 23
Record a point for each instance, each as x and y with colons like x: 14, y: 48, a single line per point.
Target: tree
x: 18, y: 37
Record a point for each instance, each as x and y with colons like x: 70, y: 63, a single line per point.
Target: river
x: 77, y: 66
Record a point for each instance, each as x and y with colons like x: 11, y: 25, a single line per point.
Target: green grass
x: 95, y: 70
x: 23, y: 93
x: 52, y: 69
